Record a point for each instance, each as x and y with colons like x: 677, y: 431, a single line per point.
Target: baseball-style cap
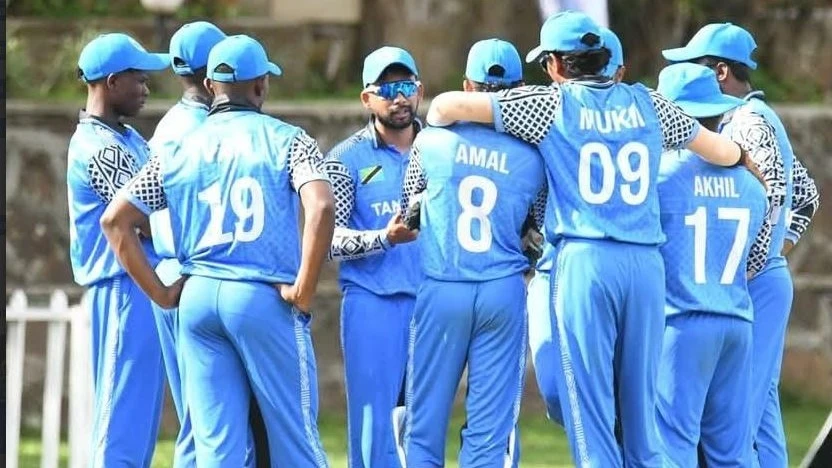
x: 723, y: 40
x: 244, y: 55
x: 612, y: 43
x: 114, y: 53
x: 695, y: 89
x: 567, y: 31
x: 488, y: 53
x: 191, y: 44
x: 380, y: 59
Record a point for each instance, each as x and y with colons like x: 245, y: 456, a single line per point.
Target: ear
x: 467, y: 86
x: 421, y: 92
x: 555, y: 68
x: 722, y: 71
x: 619, y: 74
x: 111, y: 79
x: 365, y: 98
x: 261, y: 86
x: 209, y: 85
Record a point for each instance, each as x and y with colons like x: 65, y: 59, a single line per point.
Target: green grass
x: 543, y: 444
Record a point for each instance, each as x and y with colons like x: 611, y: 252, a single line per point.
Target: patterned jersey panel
x: 805, y: 201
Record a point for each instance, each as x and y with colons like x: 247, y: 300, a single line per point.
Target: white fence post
x: 15, y: 353
x: 53, y: 382
x: 80, y: 386
x: 18, y: 314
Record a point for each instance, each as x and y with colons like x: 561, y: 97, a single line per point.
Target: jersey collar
x: 756, y: 94
x: 84, y: 116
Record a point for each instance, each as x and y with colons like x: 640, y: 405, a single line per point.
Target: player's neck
x: 198, y: 94
x: 738, y: 89
x: 99, y: 109
x: 402, y: 138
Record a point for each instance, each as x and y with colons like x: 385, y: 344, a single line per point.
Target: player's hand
x: 398, y: 232
x: 169, y: 296
x: 413, y: 218
x: 291, y: 294
x: 749, y: 164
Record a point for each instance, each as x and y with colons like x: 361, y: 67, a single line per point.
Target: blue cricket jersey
x: 367, y: 176
x: 605, y: 149
x: 231, y: 189
x: 101, y: 160
x: 711, y: 216
x: 480, y: 186
x: 177, y: 122
x: 601, y: 144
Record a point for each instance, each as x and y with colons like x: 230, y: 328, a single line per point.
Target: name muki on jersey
x: 611, y: 120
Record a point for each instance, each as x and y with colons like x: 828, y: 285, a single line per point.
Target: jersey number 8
x: 246, y: 200
x: 478, y: 212
x: 639, y: 174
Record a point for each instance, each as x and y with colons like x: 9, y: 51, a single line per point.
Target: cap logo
x: 590, y: 39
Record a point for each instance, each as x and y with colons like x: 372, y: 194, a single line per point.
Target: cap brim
x: 701, y: 110
x: 153, y: 62
x: 274, y: 69
x: 534, y: 54
x: 679, y: 54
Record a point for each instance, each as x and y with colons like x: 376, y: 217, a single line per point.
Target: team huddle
x: 655, y: 223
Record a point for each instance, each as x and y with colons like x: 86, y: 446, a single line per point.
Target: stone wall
x: 37, y: 236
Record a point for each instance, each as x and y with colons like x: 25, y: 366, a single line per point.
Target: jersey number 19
x: 246, y: 200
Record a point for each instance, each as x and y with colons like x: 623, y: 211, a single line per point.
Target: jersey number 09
x: 246, y: 200
x: 640, y: 173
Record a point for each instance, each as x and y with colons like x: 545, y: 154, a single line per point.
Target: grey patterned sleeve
x: 414, y: 179
x: 751, y: 131
x: 805, y: 201
x: 349, y: 244
x: 678, y: 128
x: 145, y: 191
x: 527, y: 112
x: 110, y: 169
x: 306, y: 163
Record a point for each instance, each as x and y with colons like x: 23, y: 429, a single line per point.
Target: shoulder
x: 528, y: 92
x: 346, y: 150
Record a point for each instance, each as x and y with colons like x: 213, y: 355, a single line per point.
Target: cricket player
x: 479, y: 186
x: 601, y: 142
x: 189, y: 47
x: 231, y: 189
x: 728, y: 50
x: 379, y: 270
x: 711, y: 217
x: 542, y: 323
x: 103, y: 154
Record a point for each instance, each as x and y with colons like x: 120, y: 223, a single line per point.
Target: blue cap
x: 612, y: 43
x: 191, y: 43
x: 567, y: 31
x: 489, y: 52
x: 723, y: 40
x: 380, y: 59
x: 695, y: 89
x: 246, y: 57
x: 114, y: 53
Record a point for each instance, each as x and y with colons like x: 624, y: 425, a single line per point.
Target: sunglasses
x: 391, y: 90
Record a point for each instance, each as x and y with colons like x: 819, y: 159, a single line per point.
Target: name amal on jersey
x: 483, y: 157
x: 611, y: 120
x: 714, y: 187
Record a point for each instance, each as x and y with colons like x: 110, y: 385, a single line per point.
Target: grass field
x: 543, y: 444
